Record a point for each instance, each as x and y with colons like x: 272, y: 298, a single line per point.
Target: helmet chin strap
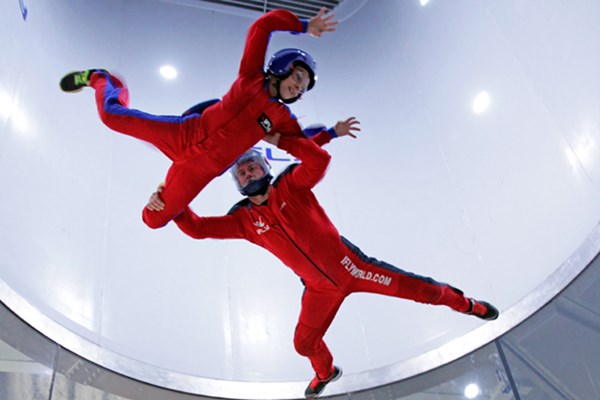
x: 278, y: 95
x: 257, y: 187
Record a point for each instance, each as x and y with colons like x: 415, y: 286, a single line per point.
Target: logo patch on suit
x: 265, y: 123
x: 261, y: 225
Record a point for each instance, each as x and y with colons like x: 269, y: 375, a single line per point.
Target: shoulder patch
x: 240, y: 204
x: 265, y: 123
x: 285, y: 172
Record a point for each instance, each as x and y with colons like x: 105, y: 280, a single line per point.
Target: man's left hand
x: 156, y: 203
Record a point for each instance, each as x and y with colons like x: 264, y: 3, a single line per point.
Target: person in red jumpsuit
x: 203, y: 145
x: 286, y: 219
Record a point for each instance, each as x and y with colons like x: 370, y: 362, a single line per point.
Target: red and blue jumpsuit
x: 294, y: 227
x: 203, y: 146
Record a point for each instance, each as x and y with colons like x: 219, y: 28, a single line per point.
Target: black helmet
x: 254, y: 187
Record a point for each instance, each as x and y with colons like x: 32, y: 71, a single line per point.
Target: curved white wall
x: 492, y: 203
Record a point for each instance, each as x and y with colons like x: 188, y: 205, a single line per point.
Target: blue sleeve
x: 200, y: 107
x: 312, y: 130
x: 304, y: 25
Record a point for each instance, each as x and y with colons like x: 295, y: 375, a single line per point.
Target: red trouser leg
x: 319, y: 307
x: 173, y: 135
x: 183, y: 182
x: 374, y: 276
x: 170, y: 134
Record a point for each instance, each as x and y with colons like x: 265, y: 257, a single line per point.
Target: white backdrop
x: 492, y: 202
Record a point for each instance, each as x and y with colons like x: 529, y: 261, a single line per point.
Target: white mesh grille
x: 304, y: 8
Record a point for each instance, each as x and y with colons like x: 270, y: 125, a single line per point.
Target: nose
x: 250, y: 176
x: 298, y: 88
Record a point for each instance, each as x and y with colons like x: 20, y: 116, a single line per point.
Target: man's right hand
x: 156, y: 203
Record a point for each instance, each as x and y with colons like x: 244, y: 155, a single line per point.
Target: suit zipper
x: 307, y: 257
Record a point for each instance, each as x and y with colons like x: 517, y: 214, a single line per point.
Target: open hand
x: 343, y: 128
x: 321, y: 23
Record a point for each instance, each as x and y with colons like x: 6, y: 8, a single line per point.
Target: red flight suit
x: 203, y: 146
x: 294, y: 227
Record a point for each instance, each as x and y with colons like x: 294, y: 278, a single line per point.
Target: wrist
x: 304, y: 23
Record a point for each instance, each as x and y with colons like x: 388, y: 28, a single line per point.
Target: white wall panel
x: 492, y: 203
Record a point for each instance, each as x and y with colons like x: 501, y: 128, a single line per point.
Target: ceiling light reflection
x: 5, y: 105
x: 471, y: 391
x: 9, y: 110
x: 582, y: 151
x: 19, y: 120
x: 423, y: 2
x: 255, y: 328
x: 168, y: 72
x: 481, y: 102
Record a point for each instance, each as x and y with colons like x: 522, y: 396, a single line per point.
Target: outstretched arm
x: 321, y: 135
x: 347, y: 127
x: 279, y: 20
x: 314, y: 159
x: 224, y: 227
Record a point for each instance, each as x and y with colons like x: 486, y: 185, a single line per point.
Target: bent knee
x: 305, y: 347
x: 306, y: 340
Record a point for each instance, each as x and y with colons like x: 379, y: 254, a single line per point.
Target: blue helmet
x: 281, y: 64
x: 254, y: 187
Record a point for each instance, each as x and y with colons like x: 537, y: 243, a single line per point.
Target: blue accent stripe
x: 312, y: 130
x: 24, y: 10
x: 200, y: 107
x: 373, y: 261
x: 113, y: 106
x: 304, y: 25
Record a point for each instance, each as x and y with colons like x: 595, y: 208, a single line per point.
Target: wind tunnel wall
x: 492, y: 202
